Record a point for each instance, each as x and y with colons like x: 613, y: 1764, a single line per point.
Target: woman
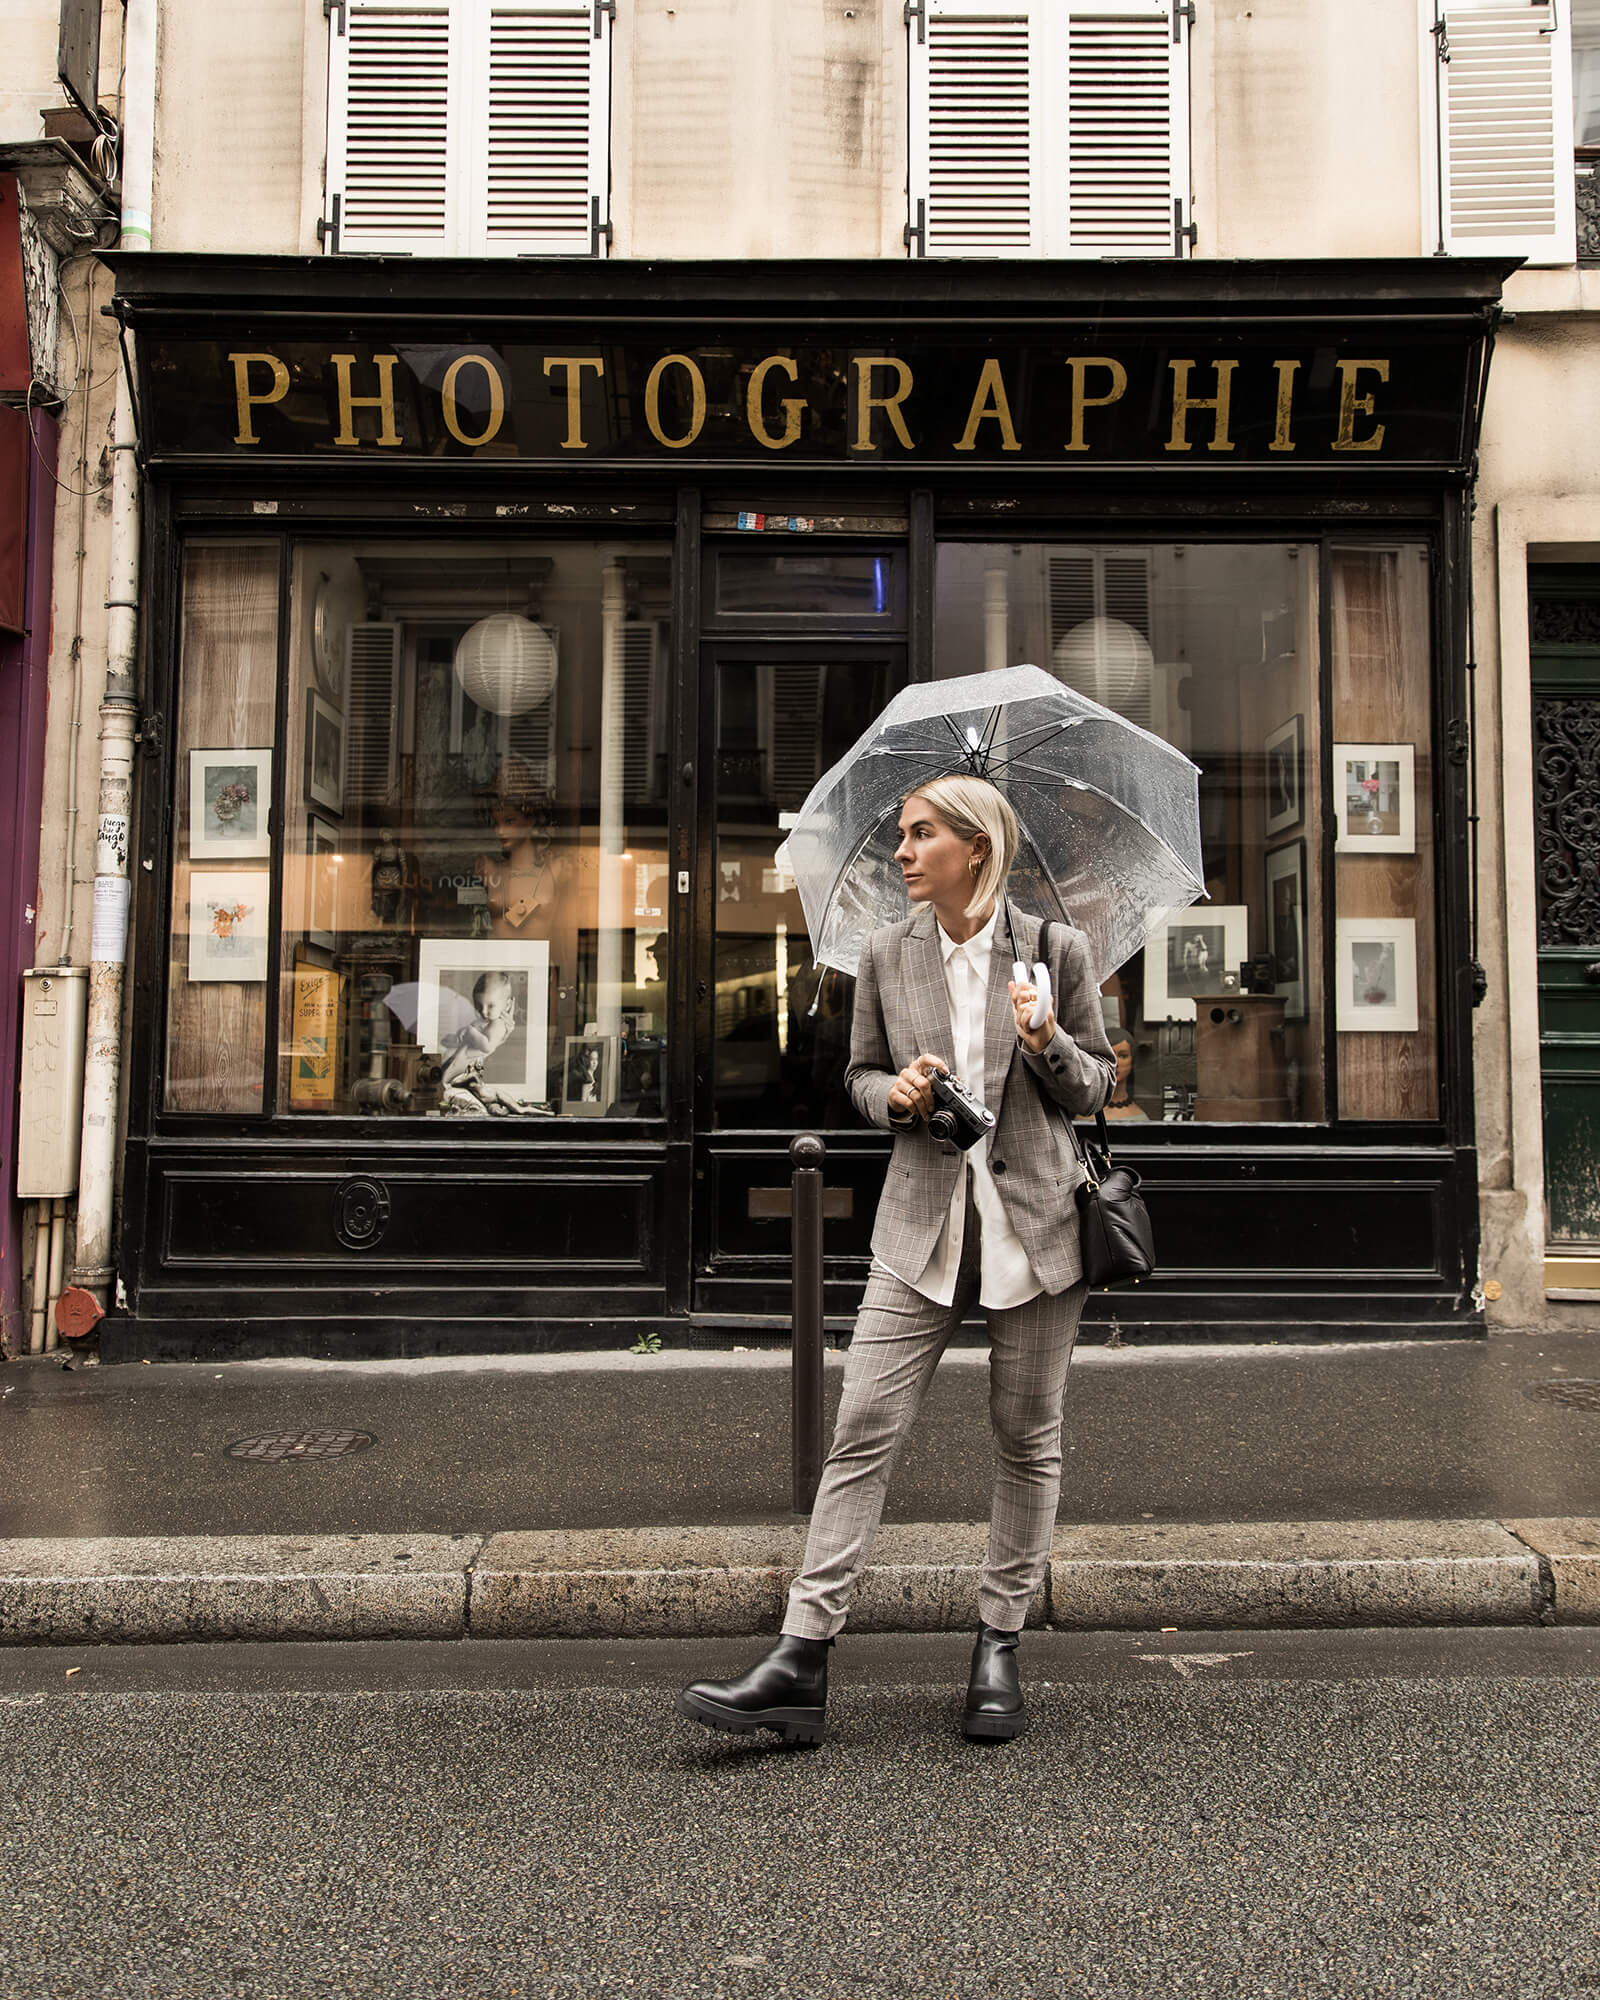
x: 995, y: 1225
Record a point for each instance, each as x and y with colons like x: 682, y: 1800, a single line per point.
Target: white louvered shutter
x: 469, y: 127
x: 371, y: 698
x: 395, y: 126
x: 1505, y: 99
x: 1049, y: 128
x: 642, y: 691
x: 540, y: 125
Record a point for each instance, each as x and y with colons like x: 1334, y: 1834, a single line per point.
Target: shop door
x: 772, y: 1031
x: 1566, y: 730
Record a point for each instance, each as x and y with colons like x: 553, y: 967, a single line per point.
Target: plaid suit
x: 902, y: 1011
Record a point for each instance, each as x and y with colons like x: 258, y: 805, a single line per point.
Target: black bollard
x: 806, y: 1154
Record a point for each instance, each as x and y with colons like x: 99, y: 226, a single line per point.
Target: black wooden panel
x: 471, y: 1221
x: 1283, y: 1227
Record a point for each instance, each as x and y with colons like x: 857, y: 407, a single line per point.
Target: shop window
x: 1049, y: 128
x: 1222, y: 1017
x: 1503, y: 70
x: 222, y: 847
x: 468, y: 128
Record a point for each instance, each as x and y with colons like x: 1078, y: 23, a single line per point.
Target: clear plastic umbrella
x: 1110, y: 815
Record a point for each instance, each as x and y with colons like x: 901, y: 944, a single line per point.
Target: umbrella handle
x: 1041, y: 979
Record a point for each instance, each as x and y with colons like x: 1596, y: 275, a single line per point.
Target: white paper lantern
x: 506, y: 663
x: 1111, y: 663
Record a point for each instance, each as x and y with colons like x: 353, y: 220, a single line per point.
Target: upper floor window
x: 1503, y: 85
x: 469, y: 128
x: 1049, y: 128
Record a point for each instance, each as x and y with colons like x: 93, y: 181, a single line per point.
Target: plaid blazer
x: 902, y: 1010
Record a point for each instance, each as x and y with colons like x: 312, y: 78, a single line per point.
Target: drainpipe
x: 118, y: 712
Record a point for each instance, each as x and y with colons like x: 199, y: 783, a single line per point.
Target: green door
x: 1566, y: 745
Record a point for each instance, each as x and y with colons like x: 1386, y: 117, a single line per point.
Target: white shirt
x: 1006, y: 1277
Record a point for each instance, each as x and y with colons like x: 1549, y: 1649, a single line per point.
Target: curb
x: 702, y: 1582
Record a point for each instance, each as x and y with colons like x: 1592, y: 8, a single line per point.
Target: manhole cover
x: 277, y: 1445
x: 1576, y: 1392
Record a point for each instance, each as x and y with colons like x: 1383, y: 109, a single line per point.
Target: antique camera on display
x: 957, y: 1117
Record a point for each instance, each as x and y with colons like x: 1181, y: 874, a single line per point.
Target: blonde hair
x: 970, y: 806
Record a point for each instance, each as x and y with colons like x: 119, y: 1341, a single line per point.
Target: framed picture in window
x: 1374, y: 798
x: 482, y: 1006
x: 1189, y: 952
x: 324, y: 858
x: 1286, y: 925
x: 1376, y: 975
x: 1286, y: 770
x: 230, y: 793
x: 228, y: 925
x: 589, y: 1077
x: 324, y: 754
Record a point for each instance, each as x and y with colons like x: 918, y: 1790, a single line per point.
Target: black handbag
x: 1117, y: 1243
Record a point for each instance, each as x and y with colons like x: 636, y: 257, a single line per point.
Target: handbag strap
x: 1096, y: 1158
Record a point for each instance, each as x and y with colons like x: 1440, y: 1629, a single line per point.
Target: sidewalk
x: 1435, y: 1482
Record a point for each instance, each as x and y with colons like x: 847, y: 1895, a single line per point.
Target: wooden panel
x: 227, y: 680
x: 1381, y: 680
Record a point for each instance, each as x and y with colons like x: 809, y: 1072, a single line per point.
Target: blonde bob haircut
x: 970, y: 806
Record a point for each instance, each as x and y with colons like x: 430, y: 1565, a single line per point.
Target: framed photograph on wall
x: 1286, y: 773
x: 1374, y: 798
x: 324, y: 857
x: 1286, y: 925
x: 324, y: 754
x: 483, y: 1007
x: 228, y: 924
x: 589, y: 1075
x: 1376, y: 975
x: 1189, y: 952
x: 230, y: 797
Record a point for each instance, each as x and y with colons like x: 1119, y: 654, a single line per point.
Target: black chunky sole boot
x: 786, y: 1692
x: 995, y: 1711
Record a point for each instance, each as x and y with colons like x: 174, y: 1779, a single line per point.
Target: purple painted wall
x: 24, y: 667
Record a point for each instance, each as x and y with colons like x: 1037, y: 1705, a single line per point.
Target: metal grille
x: 273, y: 1447
x: 1574, y: 1392
x: 1567, y: 819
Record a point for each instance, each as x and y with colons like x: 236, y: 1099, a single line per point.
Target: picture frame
x: 228, y: 925
x: 1285, y: 753
x: 1191, y: 951
x: 230, y: 804
x: 324, y: 775
x: 322, y: 889
x: 589, y: 1075
x: 512, y: 1075
x: 1285, y: 940
x: 1374, y: 798
x: 314, y: 1036
x: 1375, y: 979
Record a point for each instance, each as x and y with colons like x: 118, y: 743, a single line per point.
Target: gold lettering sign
x: 697, y: 401
x: 383, y: 402
x: 1281, y: 440
x: 1351, y: 405
x: 989, y: 401
x: 790, y: 405
x: 1183, y: 403
x: 866, y: 402
x: 497, y: 399
x: 574, y: 365
x: 246, y: 400
x: 1078, y: 366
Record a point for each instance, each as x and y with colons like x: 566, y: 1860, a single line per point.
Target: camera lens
x: 942, y: 1125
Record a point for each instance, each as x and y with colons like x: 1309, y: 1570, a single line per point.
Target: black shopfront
x: 498, y: 616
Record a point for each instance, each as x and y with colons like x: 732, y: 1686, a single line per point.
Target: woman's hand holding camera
x: 911, y: 1094
x: 1024, y: 994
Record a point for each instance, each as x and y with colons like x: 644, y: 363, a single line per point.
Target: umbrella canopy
x: 1110, y: 814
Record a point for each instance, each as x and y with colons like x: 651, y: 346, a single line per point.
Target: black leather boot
x: 995, y: 1710
x: 787, y: 1692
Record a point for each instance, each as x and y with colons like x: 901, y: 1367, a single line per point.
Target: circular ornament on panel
x: 361, y: 1212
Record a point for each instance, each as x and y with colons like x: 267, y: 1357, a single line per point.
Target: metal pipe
x: 41, y: 1277
x: 806, y: 1155
x: 58, y: 1268
x: 102, y: 1072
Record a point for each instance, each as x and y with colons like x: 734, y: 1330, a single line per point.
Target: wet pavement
x: 1423, y: 1430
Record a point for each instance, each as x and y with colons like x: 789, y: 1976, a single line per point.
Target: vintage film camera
x: 957, y: 1116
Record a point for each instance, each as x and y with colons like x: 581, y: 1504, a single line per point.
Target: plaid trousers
x: 898, y: 1339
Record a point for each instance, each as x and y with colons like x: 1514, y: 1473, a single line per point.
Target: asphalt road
x: 1397, y: 1813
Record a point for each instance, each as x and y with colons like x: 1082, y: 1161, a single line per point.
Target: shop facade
x: 497, y: 617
